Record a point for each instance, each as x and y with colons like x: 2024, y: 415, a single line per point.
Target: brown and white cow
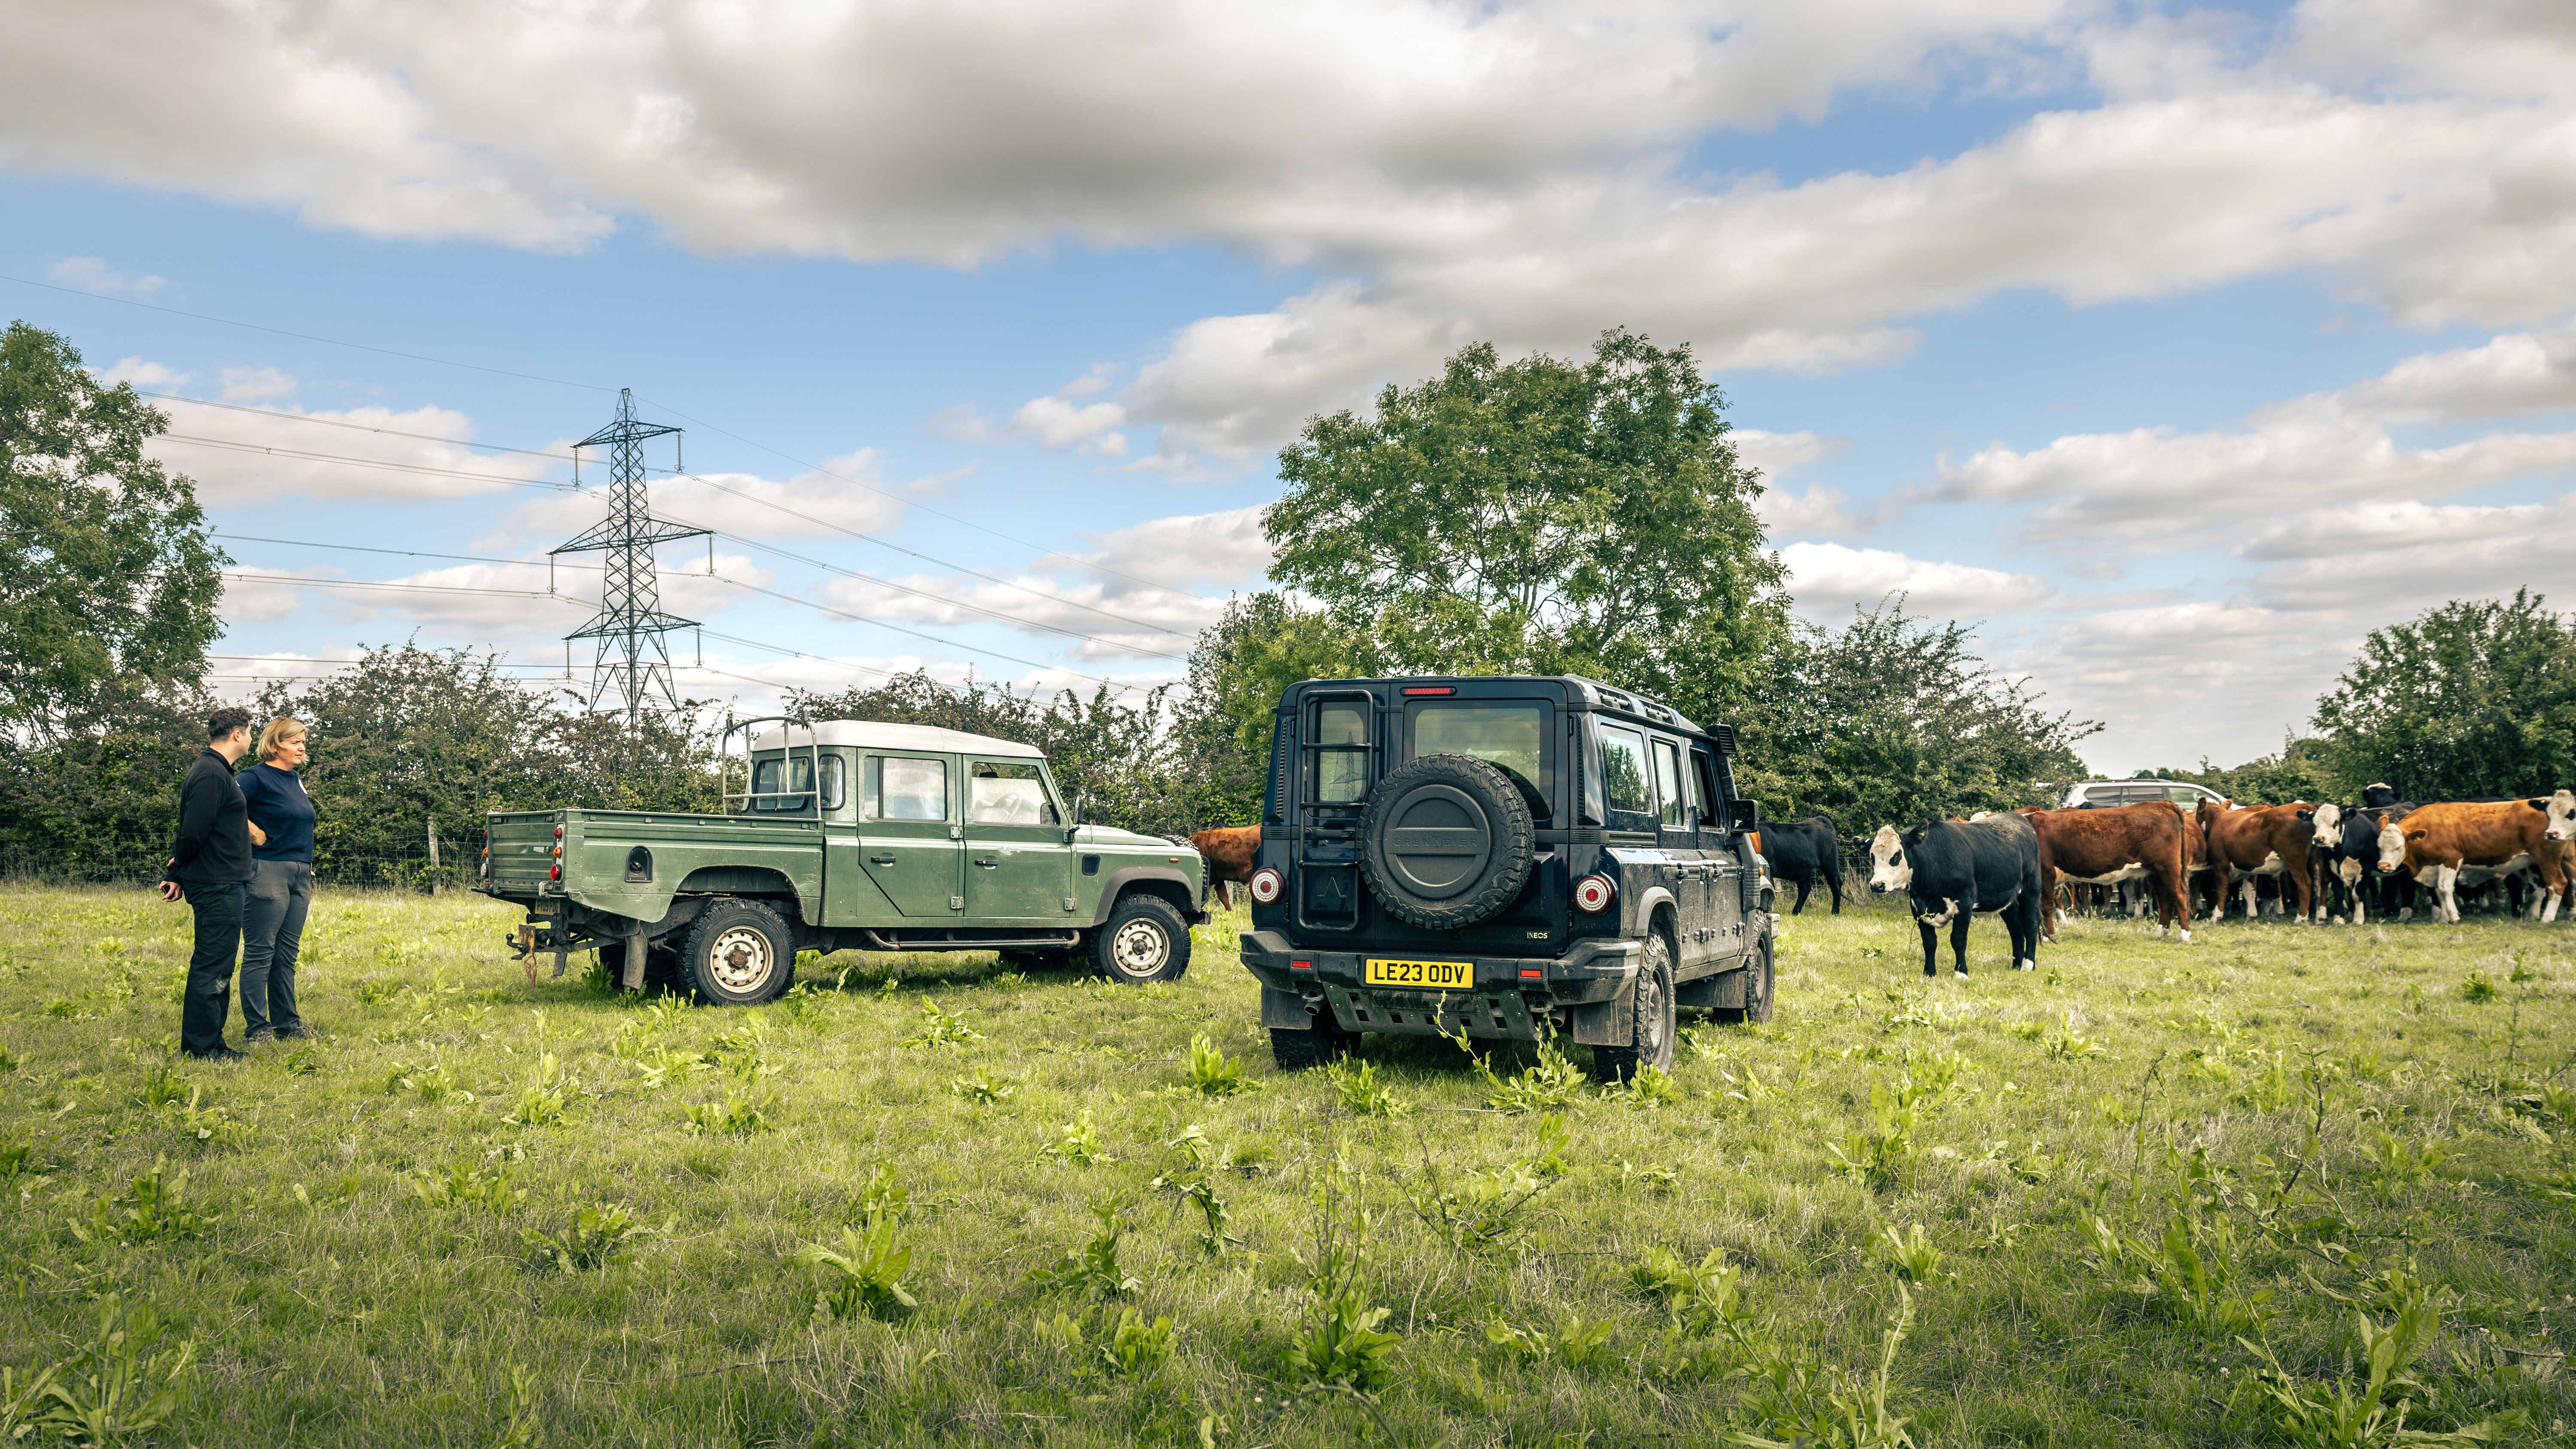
x: 2448, y: 839
x: 1229, y: 854
x: 2106, y: 847
x: 2271, y: 840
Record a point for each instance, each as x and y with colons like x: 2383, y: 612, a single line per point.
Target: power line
x: 383, y: 465
x: 1043, y: 551
x: 388, y: 584
x: 525, y: 563
x: 915, y: 633
x: 356, y: 427
x: 304, y: 336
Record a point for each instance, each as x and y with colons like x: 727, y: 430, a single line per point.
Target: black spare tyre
x: 1446, y: 842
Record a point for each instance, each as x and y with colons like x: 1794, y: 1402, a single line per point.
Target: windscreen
x: 1623, y: 771
x: 1004, y: 793
x: 1510, y: 735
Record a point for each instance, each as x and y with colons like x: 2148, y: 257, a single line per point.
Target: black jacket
x: 213, y: 847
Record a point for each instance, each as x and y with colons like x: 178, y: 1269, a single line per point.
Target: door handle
x: 990, y: 864
x: 880, y: 860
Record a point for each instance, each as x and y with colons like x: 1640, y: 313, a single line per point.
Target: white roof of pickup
x: 868, y: 734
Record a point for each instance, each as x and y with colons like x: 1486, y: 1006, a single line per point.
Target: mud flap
x: 1285, y: 1010
x: 1722, y: 990
x: 1608, y: 1023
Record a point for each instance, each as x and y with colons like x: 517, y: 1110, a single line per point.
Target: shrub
x: 869, y: 1273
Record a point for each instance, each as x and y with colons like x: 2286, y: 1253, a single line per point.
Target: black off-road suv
x: 1504, y: 857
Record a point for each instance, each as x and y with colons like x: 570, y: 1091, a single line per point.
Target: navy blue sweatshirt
x: 280, y: 808
x: 213, y: 845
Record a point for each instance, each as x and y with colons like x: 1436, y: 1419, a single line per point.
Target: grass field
x: 2241, y: 1191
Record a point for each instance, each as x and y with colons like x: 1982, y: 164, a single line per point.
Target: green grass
x: 2150, y: 1194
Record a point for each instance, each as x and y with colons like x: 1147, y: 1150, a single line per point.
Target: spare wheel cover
x: 1438, y: 841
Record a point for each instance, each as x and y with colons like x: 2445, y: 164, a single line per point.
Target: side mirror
x: 1743, y: 815
x: 1074, y: 824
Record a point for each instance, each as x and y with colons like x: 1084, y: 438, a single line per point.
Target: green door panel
x: 1018, y: 867
x: 851, y: 895
x: 909, y: 841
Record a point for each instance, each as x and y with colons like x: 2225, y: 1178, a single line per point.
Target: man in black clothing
x: 211, y: 868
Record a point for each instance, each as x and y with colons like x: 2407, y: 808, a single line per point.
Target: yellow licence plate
x: 1434, y: 975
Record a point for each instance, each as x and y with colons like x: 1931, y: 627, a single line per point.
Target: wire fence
x: 140, y: 860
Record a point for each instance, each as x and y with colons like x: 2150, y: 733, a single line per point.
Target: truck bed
x: 631, y: 862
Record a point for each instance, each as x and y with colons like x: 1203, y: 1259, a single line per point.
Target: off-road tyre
x: 1055, y: 960
x: 1446, y: 842
x: 1758, y: 989
x: 1653, y: 1030
x: 738, y: 953
x: 1318, y: 1046
x: 1143, y: 941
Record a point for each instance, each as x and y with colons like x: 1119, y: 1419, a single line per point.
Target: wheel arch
x: 1156, y: 880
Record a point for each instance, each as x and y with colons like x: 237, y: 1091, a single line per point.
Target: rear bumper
x: 1514, y: 997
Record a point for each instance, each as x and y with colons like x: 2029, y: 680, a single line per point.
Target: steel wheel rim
x: 1139, y: 949
x: 739, y: 960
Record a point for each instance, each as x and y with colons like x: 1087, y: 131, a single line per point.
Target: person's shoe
x: 260, y: 1037
x: 293, y: 1033
x: 221, y: 1055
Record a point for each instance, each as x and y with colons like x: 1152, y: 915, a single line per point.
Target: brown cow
x: 1229, y: 854
x: 2447, y: 837
x: 2105, y: 847
x: 2271, y: 840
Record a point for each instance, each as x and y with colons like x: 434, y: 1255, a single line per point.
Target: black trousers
x: 218, y: 910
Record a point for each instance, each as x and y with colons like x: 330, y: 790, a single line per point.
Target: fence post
x: 433, y: 855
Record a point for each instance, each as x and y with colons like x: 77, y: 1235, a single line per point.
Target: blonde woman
x: 281, y: 832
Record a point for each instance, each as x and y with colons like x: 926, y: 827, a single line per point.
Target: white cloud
x: 2160, y: 487
x: 142, y: 372
x: 1058, y: 422
x: 1818, y: 510
x: 93, y: 274
x: 256, y: 384
x: 1829, y: 579
x: 847, y: 493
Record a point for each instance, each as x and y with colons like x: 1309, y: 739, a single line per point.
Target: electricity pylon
x: 630, y: 623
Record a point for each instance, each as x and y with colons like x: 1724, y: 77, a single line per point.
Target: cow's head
x: 2391, y: 843
x: 1888, y: 869
x: 2561, y: 810
x: 2328, y: 818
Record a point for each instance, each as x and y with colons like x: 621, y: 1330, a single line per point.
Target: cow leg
x: 2025, y: 920
x: 2253, y: 902
x: 1225, y: 895
x: 1834, y: 885
x: 1931, y: 947
x: 1959, y: 936
x: 2446, y: 894
x: 2295, y: 882
x: 1804, y: 883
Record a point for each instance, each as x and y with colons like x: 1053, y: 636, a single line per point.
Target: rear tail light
x: 1592, y: 894
x: 558, y: 832
x: 556, y: 873
x: 1267, y: 884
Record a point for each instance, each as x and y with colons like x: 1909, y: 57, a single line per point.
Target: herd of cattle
x: 2324, y: 862
x: 2320, y: 862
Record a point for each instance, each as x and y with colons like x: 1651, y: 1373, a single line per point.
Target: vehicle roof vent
x: 1722, y: 736
x: 1616, y: 700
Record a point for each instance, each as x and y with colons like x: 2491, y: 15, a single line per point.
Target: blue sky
x: 2178, y: 347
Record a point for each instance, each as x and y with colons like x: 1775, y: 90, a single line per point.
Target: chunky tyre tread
x: 1298, y: 1051
x: 711, y: 925
x: 1512, y: 841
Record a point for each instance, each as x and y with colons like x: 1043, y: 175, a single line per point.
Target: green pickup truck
x: 849, y: 835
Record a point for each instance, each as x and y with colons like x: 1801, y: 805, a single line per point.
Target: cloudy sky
x: 2178, y: 346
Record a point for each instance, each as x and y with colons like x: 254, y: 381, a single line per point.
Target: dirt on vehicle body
x: 1502, y: 858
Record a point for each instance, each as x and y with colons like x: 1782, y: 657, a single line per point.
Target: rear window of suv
x: 1511, y: 735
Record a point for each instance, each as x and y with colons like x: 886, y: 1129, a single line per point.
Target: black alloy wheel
x: 1652, y: 1029
x: 1758, y: 996
x: 1143, y: 941
x: 738, y: 953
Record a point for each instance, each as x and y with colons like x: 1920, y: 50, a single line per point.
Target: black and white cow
x: 1806, y: 851
x: 1950, y: 870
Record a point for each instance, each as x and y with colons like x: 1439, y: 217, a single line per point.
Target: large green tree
x: 1892, y: 718
x: 2477, y: 697
x: 1540, y: 516
x: 108, y: 581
